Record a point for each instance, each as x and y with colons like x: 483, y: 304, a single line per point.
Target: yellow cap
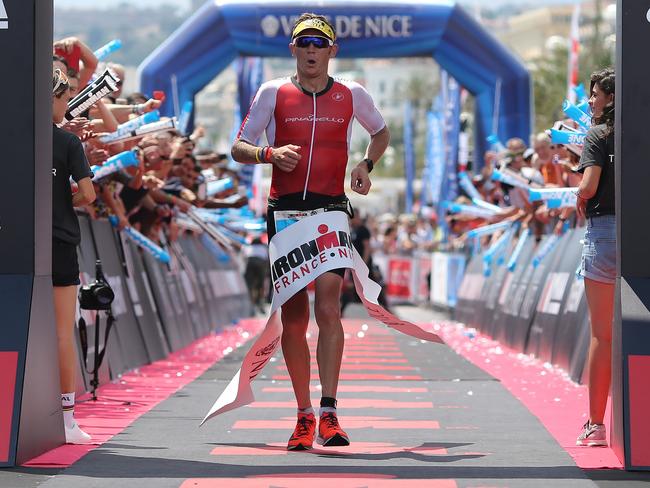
x: 314, y: 24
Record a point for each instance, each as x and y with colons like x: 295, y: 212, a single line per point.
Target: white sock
x: 67, y: 403
x: 323, y: 410
x: 308, y: 410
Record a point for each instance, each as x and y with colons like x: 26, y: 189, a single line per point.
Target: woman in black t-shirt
x: 68, y: 160
x: 598, y: 267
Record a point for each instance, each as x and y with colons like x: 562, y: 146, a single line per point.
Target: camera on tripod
x: 97, y: 295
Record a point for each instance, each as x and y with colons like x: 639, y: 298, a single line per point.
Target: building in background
x: 532, y: 33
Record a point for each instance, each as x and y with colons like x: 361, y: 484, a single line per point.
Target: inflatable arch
x: 219, y: 31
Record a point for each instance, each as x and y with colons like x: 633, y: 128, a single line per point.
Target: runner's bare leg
x: 295, y: 319
x: 327, y: 309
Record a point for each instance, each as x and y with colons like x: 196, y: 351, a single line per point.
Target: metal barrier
x: 159, y: 307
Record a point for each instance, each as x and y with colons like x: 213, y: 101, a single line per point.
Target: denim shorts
x: 599, y: 252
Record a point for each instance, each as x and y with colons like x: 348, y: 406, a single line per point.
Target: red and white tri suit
x: 320, y: 123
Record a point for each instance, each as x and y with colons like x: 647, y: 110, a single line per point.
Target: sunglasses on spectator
x: 317, y: 41
x: 61, y: 83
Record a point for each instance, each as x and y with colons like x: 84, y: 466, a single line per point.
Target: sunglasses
x: 317, y: 41
x: 61, y: 83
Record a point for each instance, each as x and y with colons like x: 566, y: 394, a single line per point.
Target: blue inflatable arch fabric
x: 218, y: 32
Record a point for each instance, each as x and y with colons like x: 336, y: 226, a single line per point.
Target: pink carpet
x: 548, y: 393
x: 145, y: 388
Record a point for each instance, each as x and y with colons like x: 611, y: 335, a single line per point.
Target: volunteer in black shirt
x: 596, y: 203
x: 69, y: 160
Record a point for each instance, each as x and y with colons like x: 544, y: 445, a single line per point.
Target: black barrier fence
x: 159, y: 308
x: 536, y: 308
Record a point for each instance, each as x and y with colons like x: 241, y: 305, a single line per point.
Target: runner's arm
x: 359, y: 179
x: 378, y: 144
x: 285, y: 158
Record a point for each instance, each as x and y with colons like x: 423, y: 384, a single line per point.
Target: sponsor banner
x: 447, y: 274
x: 353, y: 25
x: 298, y: 255
x: 439, y: 279
x: 399, y: 280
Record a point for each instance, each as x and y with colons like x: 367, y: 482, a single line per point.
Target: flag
x: 409, y: 157
x: 434, y: 157
x: 450, y: 91
x: 574, y: 50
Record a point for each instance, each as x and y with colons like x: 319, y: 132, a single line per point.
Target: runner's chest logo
x: 311, y: 118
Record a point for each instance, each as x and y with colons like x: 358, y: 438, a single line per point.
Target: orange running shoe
x: 303, y: 435
x: 330, y: 433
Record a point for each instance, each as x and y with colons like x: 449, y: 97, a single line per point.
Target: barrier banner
x: 578, y: 365
x: 216, y: 256
x: 513, y: 289
x: 455, y: 272
x: 545, y: 322
x: 126, y: 329
x: 514, y: 299
x: 144, y: 305
x: 537, y: 306
x: 494, y: 287
x: 438, y: 295
x: 447, y: 271
x: 173, y: 325
x: 195, y: 303
x: 399, y: 280
x: 298, y: 255
x: 574, y: 304
x: 197, y: 253
x: 470, y: 290
x: 542, y: 269
x: 183, y: 299
x: 179, y: 303
x: 87, y: 257
x: 195, y: 300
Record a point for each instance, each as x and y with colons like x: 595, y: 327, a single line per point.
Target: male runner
x: 308, y: 121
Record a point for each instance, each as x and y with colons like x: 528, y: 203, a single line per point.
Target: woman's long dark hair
x: 605, y: 79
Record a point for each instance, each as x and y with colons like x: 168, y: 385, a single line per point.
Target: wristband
x: 562, y: 219
x: 268, y: 154
x: 258, y: 150
x: 369, y: 164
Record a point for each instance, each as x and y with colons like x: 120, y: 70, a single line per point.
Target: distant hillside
x: 140, y: 29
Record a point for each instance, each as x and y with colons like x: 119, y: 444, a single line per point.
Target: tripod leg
x: 95, y: 381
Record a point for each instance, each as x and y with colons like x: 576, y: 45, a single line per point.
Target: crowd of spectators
x: 172, y: 175
x: 543, y: 164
